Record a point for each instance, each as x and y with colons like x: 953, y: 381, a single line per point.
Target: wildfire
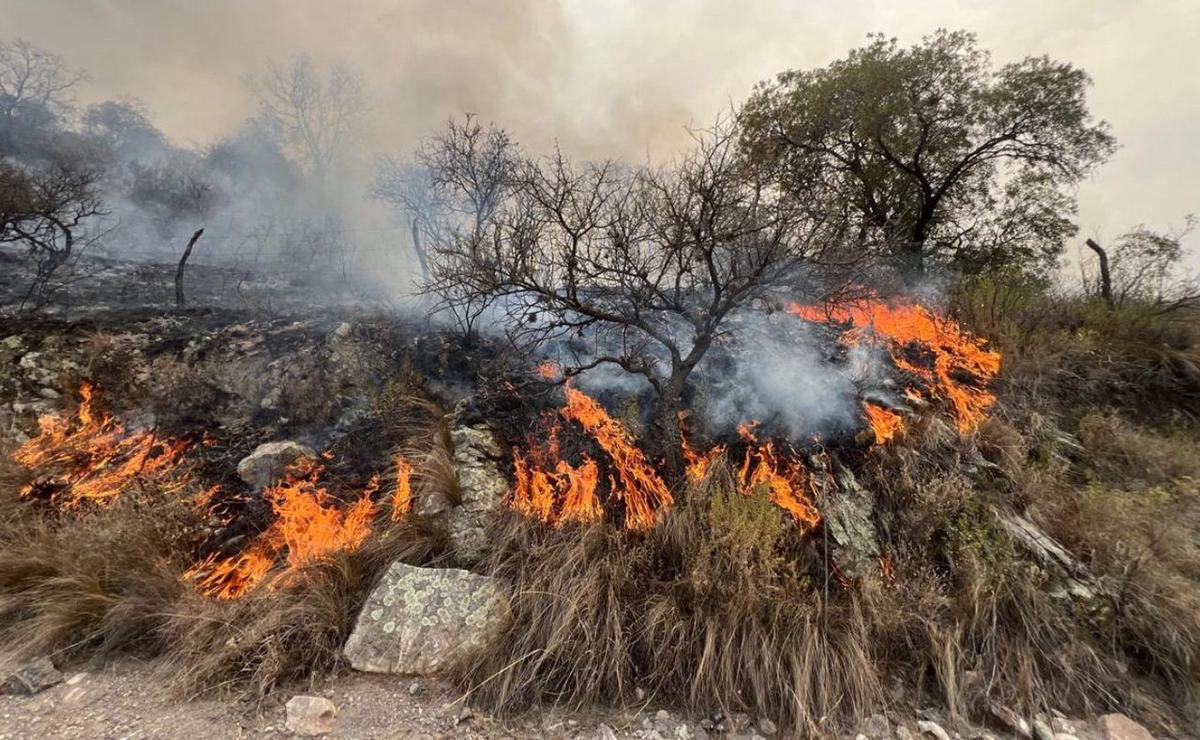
x: 961, y: 363
x: 94, y: 458
x: 552, y: 490
x: 784, y: 477
x: 548, y: 371
x: 402, y: 495
x: 309, y: 526
x: 884, y: 422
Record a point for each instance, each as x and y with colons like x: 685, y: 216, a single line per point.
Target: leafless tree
x: 30, y: 76
x: 1145, y: 266
x: 450, y: 190
x: 313, y: 110
x: 47, y: 210
x: 645, y: 265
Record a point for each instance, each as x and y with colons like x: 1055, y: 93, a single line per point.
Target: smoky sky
x: 626, y: 78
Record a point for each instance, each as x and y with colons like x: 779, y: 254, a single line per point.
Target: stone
x: 32, y: 678
x: 1064, y: 736
x: 848, y: 518
x: 310, y: 715
x: 482, y: 486
x: 1010, y: 719
x: 767, y: 727
x: 932, y: 728
x: 1120, y: 727
x: 423, y: 620
x: 662, y: 715
x: 877, y: 726
x: 604, y: 732
x: 1041, y: 730
x: 903, y: 733
x: 263, y: 466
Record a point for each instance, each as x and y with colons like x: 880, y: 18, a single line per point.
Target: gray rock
x: 310, y: 715
x: 422, y: 620
x: 1010, y: 719
x: 1120, y: 727
x: 767, y: 727
x: 932, y: 728
x: 32, y: 678
x: 604, y: 732
x: 482, y: 485
x: 903, y: 733
x: 847, y: 516
x: 268, y: 461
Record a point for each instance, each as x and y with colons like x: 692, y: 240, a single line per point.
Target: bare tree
x: 47, y: 210
x: 30, y: 76
x: 450, y: 191
x: 1145, y: 266
x: 646, y: 265
x: 313, y: 110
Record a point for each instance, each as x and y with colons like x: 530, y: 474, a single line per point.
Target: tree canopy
x: 931, y: 154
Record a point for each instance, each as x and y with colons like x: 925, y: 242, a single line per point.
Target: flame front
x: 309, y: 527
x: 961, y: 363
x: 551, y: 490
x: 884, y: 422
x: 94, y: 459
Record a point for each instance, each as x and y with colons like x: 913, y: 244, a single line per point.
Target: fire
x: 552, y: 490
x: 783, y: 476
x: 884, y: 422
x: 402, y: 495
x: 961, y: 363
x: 309, y: 527
x: 94, y: 458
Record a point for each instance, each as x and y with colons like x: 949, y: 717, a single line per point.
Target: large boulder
x: 422, y: 620
x: 482, y: 486
x: 268, y: 461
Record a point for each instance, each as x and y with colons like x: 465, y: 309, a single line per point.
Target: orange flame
x: 94, y: 458
x: 962, y: 365
x: 309, y: 527
x: 548, y: 371
x: 785, y: 478
x: 552, y: 490
x: 884, y: 422
x: 402, y: 495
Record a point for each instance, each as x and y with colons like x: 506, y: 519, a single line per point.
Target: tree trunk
x: 420, y: 250
x: 180, y: 302
x: 1106, y: 290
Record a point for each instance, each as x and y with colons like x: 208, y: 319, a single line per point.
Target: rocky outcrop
x: 848, y: 518
x: 268, y: 461
x: 482, y: 487
x: 423, y: 620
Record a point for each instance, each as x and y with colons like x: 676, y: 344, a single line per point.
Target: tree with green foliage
x: 932, y: 155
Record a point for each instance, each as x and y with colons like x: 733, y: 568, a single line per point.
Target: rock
x: 268, y: 461
x: 1010, y: 719
x: 662, y: 715
x: 310, y: 715
x: 903, y: 733
x: 604, y: 732
x: 421, y: 620
x: 861, y: 736
x: 847, y: 515
x: 482, y: 486
x: 49, y: 394
x: 32, y: 678
x: 932, y: 728
x: 1041, y: 730
x: 877, y: 726
x: 1065, y: 736
x: 1120, y: 727
x: 767, y: 727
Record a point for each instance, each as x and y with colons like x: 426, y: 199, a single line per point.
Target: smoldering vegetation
x: 776, y: 432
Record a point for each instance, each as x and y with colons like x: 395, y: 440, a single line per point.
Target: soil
x: 125, y: 700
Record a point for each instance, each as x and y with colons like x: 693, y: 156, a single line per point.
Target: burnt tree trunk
x: 1106, y: 290
x: 420, y: 250
x: 180, y: 301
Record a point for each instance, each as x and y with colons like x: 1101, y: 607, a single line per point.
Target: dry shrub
x: 107, y: 582
x: 714, y: 608
x: 288, y: 634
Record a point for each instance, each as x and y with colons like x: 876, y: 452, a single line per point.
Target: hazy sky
x: 624, y: 77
